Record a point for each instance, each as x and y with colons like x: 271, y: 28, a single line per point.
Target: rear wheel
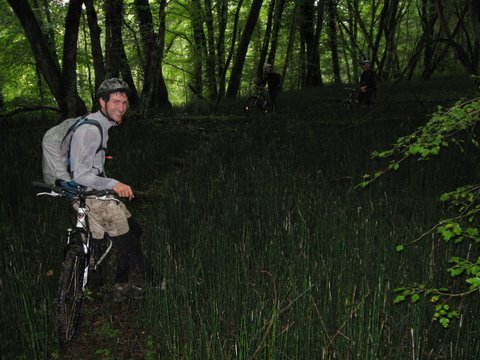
x: 268, y: 107
x: 251, y: 105
x: 70, y: 296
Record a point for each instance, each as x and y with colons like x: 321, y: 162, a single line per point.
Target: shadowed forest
x: 314, y: 231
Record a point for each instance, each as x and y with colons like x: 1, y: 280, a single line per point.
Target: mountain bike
x: 259, y: 103
x: 79, y: 258
x: 350, y: 98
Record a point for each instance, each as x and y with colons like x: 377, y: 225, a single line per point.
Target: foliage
x: 454, y: 126
x: 383, y: 31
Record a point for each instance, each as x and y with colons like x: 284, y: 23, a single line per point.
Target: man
x: 368, y: 84
x: 87, y: 169
x: 273, y: 80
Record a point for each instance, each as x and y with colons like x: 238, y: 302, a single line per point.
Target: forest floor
x: 110, y: 328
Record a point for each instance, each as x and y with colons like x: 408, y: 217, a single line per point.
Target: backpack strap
x: 85, y: 120
x: 79, y: 122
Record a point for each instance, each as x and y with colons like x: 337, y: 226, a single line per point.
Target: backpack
x: 56, y: 148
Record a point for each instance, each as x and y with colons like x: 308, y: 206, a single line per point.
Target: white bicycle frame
x: 84, y: 229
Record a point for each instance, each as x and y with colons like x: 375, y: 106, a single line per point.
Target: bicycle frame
x: 83, y: 228
x: 260, y: 102
x: 78, y: 259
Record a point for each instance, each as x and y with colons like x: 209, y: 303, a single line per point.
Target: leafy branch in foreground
x: 443, y: 128
x: 440, y: 131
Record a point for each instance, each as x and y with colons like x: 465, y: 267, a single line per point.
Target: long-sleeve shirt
x: 368, y: 78
x: 88, y: 165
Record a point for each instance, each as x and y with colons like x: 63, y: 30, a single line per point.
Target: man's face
x: 115, y: 107
x: 367, y: 66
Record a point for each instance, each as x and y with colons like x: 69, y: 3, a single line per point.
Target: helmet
x: 112, y: 85
x: 267, y: 67
x: 366, y: 61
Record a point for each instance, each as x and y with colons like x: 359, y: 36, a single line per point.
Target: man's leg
x: 130, y: 254
x: 129, y: 257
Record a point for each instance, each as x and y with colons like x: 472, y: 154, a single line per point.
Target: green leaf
x: 399, y: 299
x: 400, y: 248
x: 445, y: 322
x: 474, y: 282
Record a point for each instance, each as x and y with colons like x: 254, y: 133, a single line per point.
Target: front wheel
x: 70, y: 296
x: 251, y: 105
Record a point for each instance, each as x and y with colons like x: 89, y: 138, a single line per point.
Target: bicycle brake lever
x: 51, y: 193
x: 107, y: 198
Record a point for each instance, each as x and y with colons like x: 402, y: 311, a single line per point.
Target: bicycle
x: 259, y: 103
x: 350, y: 98
x: 79, y: 258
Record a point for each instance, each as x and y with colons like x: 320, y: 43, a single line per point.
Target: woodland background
x: 202, y: 51
x: 270, y: 248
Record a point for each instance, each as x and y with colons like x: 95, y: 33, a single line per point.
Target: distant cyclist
x: 368, y: 84
x: 272, y: 80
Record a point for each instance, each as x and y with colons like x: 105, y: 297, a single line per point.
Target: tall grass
x: 269, y: 258
x: 268, y: 249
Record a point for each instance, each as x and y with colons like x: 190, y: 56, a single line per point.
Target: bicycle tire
x: 70, y: 296
x: 347, y: 104
x: 268, y: 107
x: 251, y: 105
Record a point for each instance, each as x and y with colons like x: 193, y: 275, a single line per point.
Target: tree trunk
x: 46, y: 61
x: 72, y: 26
x: 266, y: 40
x: 116, y: 59
x: 199, y: 44
x: 465, y: 53
x: 311, y: 74
x: 291, y: 39
x: 277, y: 19
x: 222, y: 18
x: 210, y: 55
x: 97, y: 53
x: 230, y: 51
x: 154, y: 94
x: 332, y: 40
x: 48, y: 28
x: 235, y: 77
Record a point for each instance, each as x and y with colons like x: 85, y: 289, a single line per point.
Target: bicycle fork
x: 84, y: 237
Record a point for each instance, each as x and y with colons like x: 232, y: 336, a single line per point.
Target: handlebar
x: 55, y: 190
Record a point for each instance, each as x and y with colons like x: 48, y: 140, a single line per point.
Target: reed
x: 268, y: 249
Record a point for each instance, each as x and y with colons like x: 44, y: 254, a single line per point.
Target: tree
x: 234, y: 83
x: 309, y: 36
x: 61, y: 84
x: 116, y: 59
x: 154, y: 93
x: 97, y: 54
x: 332, y: 37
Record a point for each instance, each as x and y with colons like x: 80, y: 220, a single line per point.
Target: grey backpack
x: 56, y: 148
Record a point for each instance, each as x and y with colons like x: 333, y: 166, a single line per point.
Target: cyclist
x: 368, y: 84
x: 272, y: 80
x: 87, y: 169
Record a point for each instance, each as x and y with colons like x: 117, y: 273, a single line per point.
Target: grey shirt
x: 85, y: 163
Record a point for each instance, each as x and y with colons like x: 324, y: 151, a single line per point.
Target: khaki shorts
x: 109, y: 217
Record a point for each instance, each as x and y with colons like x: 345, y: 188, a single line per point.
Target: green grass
x: 269, y: 250
x: 274, y: 262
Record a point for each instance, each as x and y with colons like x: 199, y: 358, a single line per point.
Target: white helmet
x: 112, y: 85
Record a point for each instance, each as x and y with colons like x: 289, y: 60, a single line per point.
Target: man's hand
x: 363, y: 88
x: 123, y: 190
